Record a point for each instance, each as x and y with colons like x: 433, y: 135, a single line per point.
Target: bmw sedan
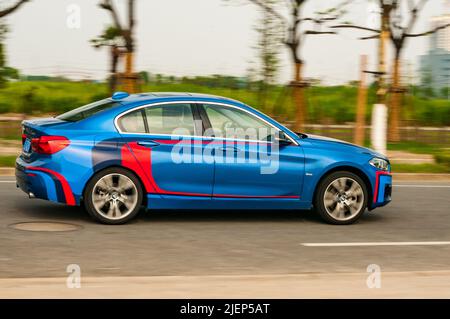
x: 193, y: 151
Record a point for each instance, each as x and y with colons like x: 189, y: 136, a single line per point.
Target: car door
x: 254, y: 159
x: 167, y: 141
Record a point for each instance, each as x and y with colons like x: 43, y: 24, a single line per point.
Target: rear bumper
x: 22, y: 181
x: 43, y: 183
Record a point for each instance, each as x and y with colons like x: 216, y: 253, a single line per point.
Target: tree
x: 111, y: 38
x: 126, y: 34
x: 294, y: 37
x: 5, y: 71
x: 398, y: 30
x: 12, y: 8
x: 268, y: 47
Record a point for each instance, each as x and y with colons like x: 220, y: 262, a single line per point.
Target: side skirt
x: 205, y: 203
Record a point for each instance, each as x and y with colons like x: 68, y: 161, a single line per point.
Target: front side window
x: 228, y: 122
x: 167, y: 119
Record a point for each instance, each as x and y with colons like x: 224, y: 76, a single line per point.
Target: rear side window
x: 132, y: 122
x: 86, y: 111
x: 167, y: 119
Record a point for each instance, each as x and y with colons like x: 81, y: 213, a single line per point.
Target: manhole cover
x: 45, y: 226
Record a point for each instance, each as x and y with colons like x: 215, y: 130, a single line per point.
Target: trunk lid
x: 35, y: 129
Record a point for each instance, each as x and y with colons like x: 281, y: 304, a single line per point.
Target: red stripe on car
x: 377, y: 183
x: 68, y: 195
x: 145, y: 157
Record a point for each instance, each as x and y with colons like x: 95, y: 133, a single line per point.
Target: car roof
x: 140, y: 99
x: 150, y: 96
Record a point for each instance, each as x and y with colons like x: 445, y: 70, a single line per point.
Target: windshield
x: 86, y: 111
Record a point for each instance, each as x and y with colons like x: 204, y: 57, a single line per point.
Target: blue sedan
x: 193, y: 151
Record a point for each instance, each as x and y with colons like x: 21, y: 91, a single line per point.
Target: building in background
x: 435, y: 66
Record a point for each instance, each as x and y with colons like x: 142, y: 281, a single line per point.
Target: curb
x: 7, y: 171
x: 421, y: 176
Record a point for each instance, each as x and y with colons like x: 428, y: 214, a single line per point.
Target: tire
x: 341, y: 198
x: 113, y: 196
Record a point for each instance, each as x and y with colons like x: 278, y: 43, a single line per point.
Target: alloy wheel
x: 343, y: 198
x: 114, y: 196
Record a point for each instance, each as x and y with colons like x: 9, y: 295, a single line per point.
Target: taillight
x: 49, y: 144
x: 24, y: 137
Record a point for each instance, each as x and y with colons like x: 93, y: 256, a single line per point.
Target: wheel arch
x: 352, y: 169
x: 144, y: 197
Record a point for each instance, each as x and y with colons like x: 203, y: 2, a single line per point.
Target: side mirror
x: 282, y: 139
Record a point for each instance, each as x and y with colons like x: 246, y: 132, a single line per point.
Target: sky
x: 188, y: 38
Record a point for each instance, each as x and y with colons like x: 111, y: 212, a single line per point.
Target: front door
x: 251, y: 161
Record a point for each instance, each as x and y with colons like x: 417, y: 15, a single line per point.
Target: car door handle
x: 148, y: 143
x: 229, y: 149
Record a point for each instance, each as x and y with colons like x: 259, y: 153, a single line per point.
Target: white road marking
x: 392, y: 243
x: 422, y: 186
x: 7, y: 181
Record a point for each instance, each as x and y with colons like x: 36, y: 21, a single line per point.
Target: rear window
x: 86, y: 111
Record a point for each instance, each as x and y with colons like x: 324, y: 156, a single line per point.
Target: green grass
x: 326, y: 104
x: 7, y: 161
x: 415, y: 147
x: 420, y: 168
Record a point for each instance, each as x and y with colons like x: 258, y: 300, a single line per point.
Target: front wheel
x: 113, y: 196
x: 341, y: 198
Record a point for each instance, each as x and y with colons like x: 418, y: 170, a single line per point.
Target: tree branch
x: 414, y: 12
x: 108, y: 5
x: 427, y: 32
x: 331, y: 14
x: 13, y: 8
x: 351, y: 26
x: 269, y: 9
x: 131, y: 20
x: 377, y: 36
x: 319, y: 32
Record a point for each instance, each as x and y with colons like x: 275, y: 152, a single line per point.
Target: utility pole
x: 361, y: 104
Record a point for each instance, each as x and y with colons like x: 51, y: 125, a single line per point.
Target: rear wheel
x: 341, y: 198
x: 113, y: 196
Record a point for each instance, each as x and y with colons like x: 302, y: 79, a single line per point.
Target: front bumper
x: 383, y: 189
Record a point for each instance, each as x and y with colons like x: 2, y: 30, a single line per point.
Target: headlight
x: 379, y: 163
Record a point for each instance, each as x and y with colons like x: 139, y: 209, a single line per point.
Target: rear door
x: 167, y: 141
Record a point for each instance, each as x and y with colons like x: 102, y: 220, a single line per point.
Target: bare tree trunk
x: 130, y: 78
x: 299, y: 98
x: 395, y: 103
x: 361, y: 105
x: 384, y: 36
x: 115, y: 55
x: 262, y: 95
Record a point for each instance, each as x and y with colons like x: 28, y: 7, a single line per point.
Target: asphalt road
x: 229, y: 243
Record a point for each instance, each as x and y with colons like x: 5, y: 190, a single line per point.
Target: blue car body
x: 95, y: 143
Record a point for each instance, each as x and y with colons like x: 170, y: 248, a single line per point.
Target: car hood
x: 329, y: 142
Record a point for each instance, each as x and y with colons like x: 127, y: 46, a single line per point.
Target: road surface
x: 230, y: 253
